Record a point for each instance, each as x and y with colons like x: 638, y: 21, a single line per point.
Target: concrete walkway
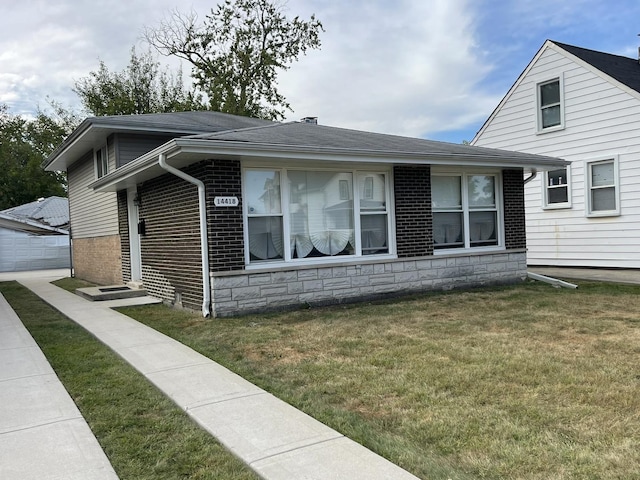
x: 273, y: 438
x: 42, y: 433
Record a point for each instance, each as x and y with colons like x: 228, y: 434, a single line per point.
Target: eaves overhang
x: 94, y: 131
x: 181, y: 152
x: 29, y: 226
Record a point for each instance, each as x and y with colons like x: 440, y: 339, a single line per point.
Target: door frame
x: 135, y: 253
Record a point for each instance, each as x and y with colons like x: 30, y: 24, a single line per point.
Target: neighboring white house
x: 35, y: 236
x: 582, y: 106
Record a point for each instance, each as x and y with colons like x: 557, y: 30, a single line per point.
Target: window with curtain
x: 373, y: 213
x: 465, y: 211
x: 264, y: 212
x: 322, y: 214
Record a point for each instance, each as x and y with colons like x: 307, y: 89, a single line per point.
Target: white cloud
x: 403, y: 67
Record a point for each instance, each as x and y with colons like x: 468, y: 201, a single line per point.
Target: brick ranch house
x: 255, y: 215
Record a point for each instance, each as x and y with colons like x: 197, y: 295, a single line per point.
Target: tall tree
x: 237, y: 52
x: 140, y: 88
x: 24, y: 145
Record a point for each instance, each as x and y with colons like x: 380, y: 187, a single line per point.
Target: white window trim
x: 465, y: 209
x: 538, y: 107
x: 616, y: 178
x: 105, y: 157
x: 545, y: 193
x: 285, y: 214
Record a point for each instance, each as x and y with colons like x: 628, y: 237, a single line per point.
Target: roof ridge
x: 235, y: 130
x: 562, y: 45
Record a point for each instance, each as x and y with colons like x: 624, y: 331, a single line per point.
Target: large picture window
x: 465, y: 210
x: 324, y: 213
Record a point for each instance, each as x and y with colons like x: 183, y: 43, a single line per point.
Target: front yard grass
x: 145, y: 435
x: 527, y: 382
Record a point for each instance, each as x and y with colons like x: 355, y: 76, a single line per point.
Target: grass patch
x: 142, y: 432
x: 527, y: 382
x: 70, y: 284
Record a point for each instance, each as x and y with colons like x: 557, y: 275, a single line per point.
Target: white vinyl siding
x: 92, y: 214
x: 601, y: 120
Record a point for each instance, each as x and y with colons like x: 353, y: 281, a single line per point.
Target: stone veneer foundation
x: 236, y: 293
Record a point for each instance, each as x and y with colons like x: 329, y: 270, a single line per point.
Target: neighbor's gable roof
x: 624, y: 71
x: 93, y: 131
x: 44, y: 215
x: 315, y: 143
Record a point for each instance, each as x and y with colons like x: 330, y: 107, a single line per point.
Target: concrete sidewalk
x: 273, y: 438
x: 42, y: 433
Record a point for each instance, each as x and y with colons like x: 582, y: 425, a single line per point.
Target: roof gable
x: 624, y: 71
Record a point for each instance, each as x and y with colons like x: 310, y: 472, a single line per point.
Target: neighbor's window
x: 465, y: 210
x: 557, y: 191
x: 550, y: 115
x: 102, y: 161
x: 326, y: 214
x: 602, y: 178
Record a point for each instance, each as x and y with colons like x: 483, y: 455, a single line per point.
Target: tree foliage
x: 237, y: 52
x: 140, y: 88
x: 24, y: 145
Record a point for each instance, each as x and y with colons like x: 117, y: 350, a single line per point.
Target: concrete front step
x: 110, y: 292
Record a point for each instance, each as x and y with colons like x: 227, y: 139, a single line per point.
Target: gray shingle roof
x: 624, y: 69
x: 178, y: 123
x: 51, y: 211
x: 205, y: 121
x: 322, y: 137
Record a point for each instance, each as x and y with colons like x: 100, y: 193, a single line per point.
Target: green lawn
x: 527, y: 382
x: 523, y: 382
x: 145, y: 436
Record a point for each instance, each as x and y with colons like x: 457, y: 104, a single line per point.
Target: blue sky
x: 426, y: 68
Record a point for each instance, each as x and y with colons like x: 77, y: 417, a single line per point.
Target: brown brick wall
x: 97, y: 259
x: 414, y: 221
x: 514, y: 222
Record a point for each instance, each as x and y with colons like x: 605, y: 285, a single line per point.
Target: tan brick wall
x: 98, y: 259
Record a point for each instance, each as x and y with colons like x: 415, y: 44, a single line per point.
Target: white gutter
x: 204, y: 246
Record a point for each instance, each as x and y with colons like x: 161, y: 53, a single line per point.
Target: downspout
x: 533, y: 175
x: 204, y: 245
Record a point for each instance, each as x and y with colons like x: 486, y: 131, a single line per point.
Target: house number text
x: 226, y: 201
